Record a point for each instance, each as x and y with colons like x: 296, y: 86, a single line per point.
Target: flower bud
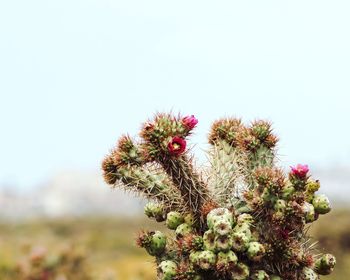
x: 167, y: 270
x: 206, y: 260
x: 321, y: 204
x: 241, y: 272
x: 173, y: 220
x: 255, y: 251
x: 240, y: 241
x: 308, y: 274
x: 325, y: 264
x: 183, y: 230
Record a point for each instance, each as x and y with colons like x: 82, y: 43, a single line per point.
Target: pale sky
x: 74, y: 75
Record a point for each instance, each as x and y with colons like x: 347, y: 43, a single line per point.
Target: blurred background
x: 75, y: 75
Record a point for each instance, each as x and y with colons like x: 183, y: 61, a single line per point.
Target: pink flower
x: 190, y: 121
x: 300, y: 170
x: 177, y: 146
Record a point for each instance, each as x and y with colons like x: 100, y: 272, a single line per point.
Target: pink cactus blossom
x: 190, y: 121
x: 300, y: 170
x: 177, y: 146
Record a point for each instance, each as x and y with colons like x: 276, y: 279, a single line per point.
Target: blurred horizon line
x: 83, y: 192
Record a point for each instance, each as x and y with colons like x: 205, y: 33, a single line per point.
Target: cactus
x: 174, y: 219
x: 240, y: 218
x: 153, y: 242
x: 325, y: 264
x: 167, y: 270
x: 155, y: 210
x: 321, y: 204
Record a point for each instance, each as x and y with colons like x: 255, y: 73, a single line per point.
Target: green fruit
x: 223, y: 242
x: 213, y: 220
x: 275, y: 277
x: 241, y: 272
x: 156, y: 244
x: 194, y: 257
x: 155, y: 210
x: 240, y: 241
x: 260, y: 275
x: 308, y: 274
x: 280, y: 205
x: 219, y: 214
x: 312, y: 186
x: 287, y: 192
x: 206, y: 260
x: 174, y: 219
x: 325, y: 264
x: 167, y: 270
x: 255, y: 251
x: 183, y: 230
x: 321, y: 204
x: 189, y: 219
x: 226, y: 259
x: 209, y: 240
x: 243, y: 228
x: 309, y: 212
x: 222, y: 227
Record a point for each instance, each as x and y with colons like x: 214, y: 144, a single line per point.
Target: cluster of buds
x: 244, y: 218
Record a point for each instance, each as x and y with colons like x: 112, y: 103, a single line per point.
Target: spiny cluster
x: 241, y: 219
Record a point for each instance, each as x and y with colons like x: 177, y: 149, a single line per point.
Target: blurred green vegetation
x: 109, y: 248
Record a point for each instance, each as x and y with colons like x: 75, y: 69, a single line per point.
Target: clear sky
x: 74, y: 75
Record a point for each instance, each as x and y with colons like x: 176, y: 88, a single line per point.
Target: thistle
x: 241, y: 218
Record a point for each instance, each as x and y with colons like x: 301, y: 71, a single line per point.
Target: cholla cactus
x: 241, y: 218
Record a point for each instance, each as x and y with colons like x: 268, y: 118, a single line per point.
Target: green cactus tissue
x: 240, y: 217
